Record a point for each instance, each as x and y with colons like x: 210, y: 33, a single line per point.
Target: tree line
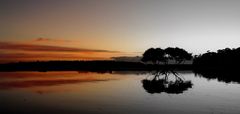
x: 222, y: 58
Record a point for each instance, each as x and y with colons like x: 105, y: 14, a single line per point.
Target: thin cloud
x: 41, y: 39
x: 46, y: 48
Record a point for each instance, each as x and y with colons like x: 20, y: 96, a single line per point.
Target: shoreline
x: 44, y: 66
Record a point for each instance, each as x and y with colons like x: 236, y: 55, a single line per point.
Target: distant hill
x: 128, y: 59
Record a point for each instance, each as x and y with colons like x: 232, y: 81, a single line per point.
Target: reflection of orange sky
x: 41, y: 82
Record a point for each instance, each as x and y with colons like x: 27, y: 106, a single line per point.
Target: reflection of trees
x: 226, y: 76
x: 161, y: 82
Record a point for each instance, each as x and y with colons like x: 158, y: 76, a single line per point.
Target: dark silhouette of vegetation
x: 154, y: 55
x: 164, y: 55
x: 178, y: 54
x: 227, y: 59
x: 161, y: 83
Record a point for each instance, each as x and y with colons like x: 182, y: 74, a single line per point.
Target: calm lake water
x: 114, y: 93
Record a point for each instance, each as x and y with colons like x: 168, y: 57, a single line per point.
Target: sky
x: 101, y: 29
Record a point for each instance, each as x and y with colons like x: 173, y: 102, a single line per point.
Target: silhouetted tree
x: 159, y: 55
x: 178, y: 54
x: 154, y: 55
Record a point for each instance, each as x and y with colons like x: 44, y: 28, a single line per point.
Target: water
x: 112, y: 93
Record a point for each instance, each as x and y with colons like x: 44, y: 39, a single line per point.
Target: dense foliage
x: 157, y: 55
x: 222, y: 58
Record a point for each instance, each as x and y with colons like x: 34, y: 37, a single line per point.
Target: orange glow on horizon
x: 14, y: 52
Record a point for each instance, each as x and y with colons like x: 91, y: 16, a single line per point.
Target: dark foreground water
x: 116, y: 93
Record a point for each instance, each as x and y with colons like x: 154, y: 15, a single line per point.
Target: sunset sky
x: 101, y: 29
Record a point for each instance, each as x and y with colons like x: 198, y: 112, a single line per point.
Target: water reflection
x: 116, y: 93
x: 162, y: 82
x: 15, y: 80
x: 227, y: 76
x: 34, y: 83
